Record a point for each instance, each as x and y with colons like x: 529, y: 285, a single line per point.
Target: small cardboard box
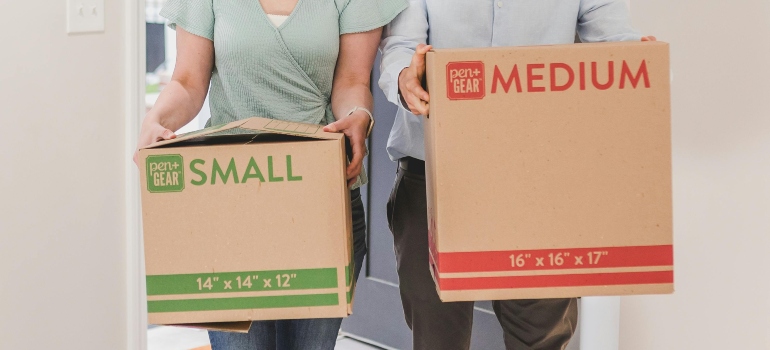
x: 247, y: 221
x: 549, y: 171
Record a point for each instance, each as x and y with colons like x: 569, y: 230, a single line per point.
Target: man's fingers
x: 414, y: 84
x: 421, y: 93
x: 418, y: 60
x: 649, y: 38
x: 415, y: 88
x: 422, y: 49
x: 424, y: 108
x: 419, y: 53
x: 419, y: 105
x: 413, y: 103
x: 420, y: 109
x: 416, y: 105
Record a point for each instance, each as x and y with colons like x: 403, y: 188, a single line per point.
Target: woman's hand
x: 151, y: 132
x: 181, y: 100
x: 649, y: 38
x: 354, y: 127
x: 351, y: 89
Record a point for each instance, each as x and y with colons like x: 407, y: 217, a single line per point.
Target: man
x: 545, y: 324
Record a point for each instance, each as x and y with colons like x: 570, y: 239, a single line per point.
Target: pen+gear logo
x: 165, y: 173
x: 465, y: 80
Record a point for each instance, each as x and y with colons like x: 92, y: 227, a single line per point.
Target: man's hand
x: 410, y: 83
x: 354, y: 127
x: 649, y: 38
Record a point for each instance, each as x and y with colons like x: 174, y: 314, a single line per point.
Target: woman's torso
x: 282, y: 72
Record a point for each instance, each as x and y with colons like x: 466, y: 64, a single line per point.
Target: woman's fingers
x: 354, y: 168
x: 168, y: 135
x: 150, y: 134
x: 164, y: 134
x: 356, y: 133
x: 333, y: 127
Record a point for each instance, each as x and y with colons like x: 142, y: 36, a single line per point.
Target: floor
x: 177, y: 338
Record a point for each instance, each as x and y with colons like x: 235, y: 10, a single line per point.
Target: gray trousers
x: 542, y: 324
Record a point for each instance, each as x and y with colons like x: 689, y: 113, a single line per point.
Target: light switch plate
x: 85, y: 16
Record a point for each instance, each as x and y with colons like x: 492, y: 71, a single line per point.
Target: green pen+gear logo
x: 165, y: 173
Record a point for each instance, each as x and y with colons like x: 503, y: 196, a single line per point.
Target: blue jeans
x: 309, y: 334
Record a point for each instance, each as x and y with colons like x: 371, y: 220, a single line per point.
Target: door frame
x: 134, y: 75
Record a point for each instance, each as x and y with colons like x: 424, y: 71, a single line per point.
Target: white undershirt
x: 277, y: 19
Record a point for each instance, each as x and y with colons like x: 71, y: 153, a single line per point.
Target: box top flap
x: 198, y: 133
x: 257, y: 125
x: 275, y: 126
x: 555, y: 46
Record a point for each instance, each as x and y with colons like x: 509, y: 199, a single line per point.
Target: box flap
x: 198, y: 133
x: 237, y: 327
x: 275, y: 126
x: 260, y: 125
x: 611, y: 44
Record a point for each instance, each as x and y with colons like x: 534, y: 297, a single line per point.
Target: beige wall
x: 721, y: 139
x: 62, y: 225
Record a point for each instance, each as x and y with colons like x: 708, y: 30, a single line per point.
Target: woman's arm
x: 182, y: 99
x: 351, y: 88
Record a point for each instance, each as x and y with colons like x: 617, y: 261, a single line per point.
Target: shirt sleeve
x: 194, y: 16
x: 605, y: 20
x: 400, y: 40
x: 358, y: 16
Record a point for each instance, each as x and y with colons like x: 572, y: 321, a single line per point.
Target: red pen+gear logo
x: 465, y: 80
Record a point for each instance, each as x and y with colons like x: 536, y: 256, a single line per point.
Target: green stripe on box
x: 350, y: 296
x: 250, y: 281
x: 245, y: 303
x: 348, y: 274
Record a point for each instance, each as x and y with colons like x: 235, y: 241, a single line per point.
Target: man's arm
x: 399, y: 43
x: 605, y: 20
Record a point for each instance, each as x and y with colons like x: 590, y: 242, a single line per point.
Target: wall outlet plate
x: 85, y: 16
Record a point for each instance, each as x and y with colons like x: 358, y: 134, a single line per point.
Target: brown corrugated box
x: 247, y: 221
x: 549, y: 171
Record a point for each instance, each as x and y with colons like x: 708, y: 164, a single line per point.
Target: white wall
x: 721, y: 139
x: 62, y: 225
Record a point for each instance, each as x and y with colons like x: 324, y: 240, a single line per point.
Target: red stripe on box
x: 578, y: 280
x: 548, y: 259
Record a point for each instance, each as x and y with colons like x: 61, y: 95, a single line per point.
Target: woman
x: 296, y: 60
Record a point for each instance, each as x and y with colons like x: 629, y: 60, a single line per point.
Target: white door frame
x: 134, y: 75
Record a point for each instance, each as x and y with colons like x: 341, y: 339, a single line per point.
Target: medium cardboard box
x: 549, y: 171
x: 247, y: 221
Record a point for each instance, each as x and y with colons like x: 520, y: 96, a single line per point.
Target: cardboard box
x: 549, y: 171
x: 247, y: 221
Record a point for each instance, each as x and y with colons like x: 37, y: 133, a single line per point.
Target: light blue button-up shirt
x: 483, y: 23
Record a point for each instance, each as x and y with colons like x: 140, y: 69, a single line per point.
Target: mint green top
x: 281, y: 73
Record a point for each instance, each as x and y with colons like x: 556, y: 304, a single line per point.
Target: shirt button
x: 499, y: 4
